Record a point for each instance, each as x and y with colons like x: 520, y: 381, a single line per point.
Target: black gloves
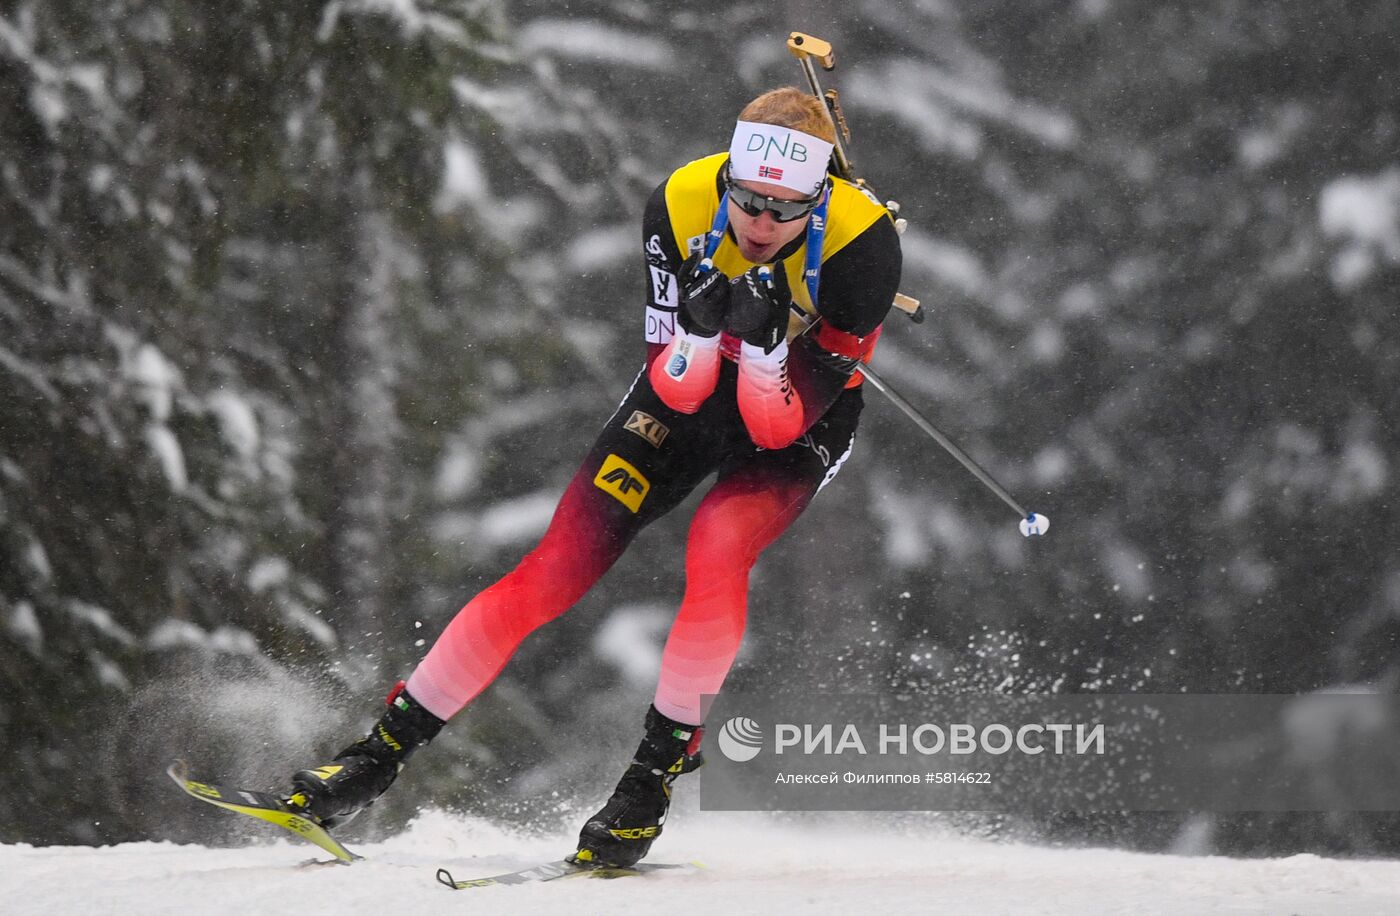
x: 753, y: 306
x: 758, y: 307
x: 704, y: 298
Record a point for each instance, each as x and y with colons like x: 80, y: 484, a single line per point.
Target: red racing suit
x: 773, y: 431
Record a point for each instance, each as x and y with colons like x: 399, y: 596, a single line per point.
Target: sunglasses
x: 784, y: 211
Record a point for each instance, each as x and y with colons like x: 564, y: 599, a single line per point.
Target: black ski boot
x: 336, y: 792
x: 621, y: 833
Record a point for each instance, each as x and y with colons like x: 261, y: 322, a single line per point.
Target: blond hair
x: 791, y: 107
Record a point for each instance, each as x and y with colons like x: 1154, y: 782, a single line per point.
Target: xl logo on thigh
x: 647, y: 426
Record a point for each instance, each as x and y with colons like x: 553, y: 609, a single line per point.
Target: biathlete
x: 767, y: 280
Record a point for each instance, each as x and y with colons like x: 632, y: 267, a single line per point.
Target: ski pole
x: 1031, y: 522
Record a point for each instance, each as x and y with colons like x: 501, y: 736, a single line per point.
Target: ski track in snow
x: 753, y: 864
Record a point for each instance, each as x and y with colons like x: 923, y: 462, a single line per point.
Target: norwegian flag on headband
x: 768, y: 171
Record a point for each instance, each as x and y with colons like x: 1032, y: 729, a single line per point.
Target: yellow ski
x: 261, y: 805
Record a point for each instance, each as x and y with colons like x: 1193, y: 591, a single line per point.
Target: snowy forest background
x: 308, y: 310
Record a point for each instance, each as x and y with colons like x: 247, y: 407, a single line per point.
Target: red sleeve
x: 781, y: 394
x: 684, y: 373
x: 769, y: 404
x: 781, y: 397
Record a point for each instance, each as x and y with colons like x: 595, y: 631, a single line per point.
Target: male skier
x: 767, y: 281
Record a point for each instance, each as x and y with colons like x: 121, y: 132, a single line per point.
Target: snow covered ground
x: 754, y: 864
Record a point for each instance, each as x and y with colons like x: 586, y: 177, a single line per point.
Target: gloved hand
x: 704, y: 297
x: 759, y: 302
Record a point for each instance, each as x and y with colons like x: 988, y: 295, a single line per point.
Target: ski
x: 263, y: 806
x: 553, y: 871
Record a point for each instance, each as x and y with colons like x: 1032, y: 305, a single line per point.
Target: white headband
x: 778, y: 155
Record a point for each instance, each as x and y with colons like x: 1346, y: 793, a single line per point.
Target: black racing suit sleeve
x: 858, y: 285
x: 662, y: 260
